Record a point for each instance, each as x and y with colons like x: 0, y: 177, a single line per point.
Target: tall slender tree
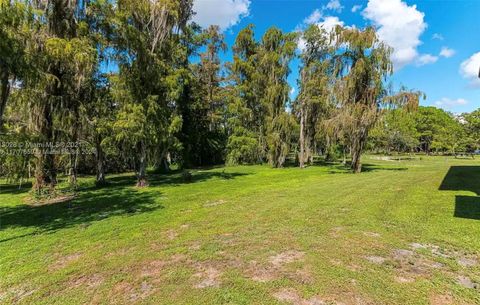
x: 274, y: 55
x: 313, y: 102
x: 148, y: 86
x: 246, y: 113
x: 362, y: 65
x: 204, y: 114
x: 16, y: 22
x: 62, y: 63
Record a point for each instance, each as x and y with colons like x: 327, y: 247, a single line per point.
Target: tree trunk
x: 142, y: 166
x: 100, y: 158
x: 74, y: 155
x: 302, y: 138
x: 4, y: 93
x: 357, y: 148
x: 164, y: 164
x: 45, y: 172
x: 72, y: 173
x: 356, y: 164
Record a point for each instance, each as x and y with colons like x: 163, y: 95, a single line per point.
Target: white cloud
x: 448, y: 103
x: 318, y: 14
x: 469, y: 69
x: 292, y: 91
x: 399, y: 25
x: 224, y: 13
x: 334, y: 5
x: 356, y: 8
x: 426, y: 59
x: 437, y: 36
x: 447, y: 52
x: 314, y: 17
x: 328, y: 23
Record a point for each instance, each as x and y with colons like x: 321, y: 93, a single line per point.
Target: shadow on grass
x: 464, y: 178
x: 154, y: 179
x: 339, y: 168
x: 86, y: 208
x: 15, y: 189
x: 173, y: 178
x: 93, y: 203
x: 373, y: 167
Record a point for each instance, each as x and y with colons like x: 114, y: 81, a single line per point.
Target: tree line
x: 144, y: 87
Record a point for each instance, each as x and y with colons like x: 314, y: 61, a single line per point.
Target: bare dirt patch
x: 416, y: 246
x: 290, y: 295
x: 17, y: 293
x: 467, y: 282
x: 462, y: 258
x: 49, y: 201
x: 401, y: 254
x: 214, y: 203
x: 91, y: 281
x: 441, y: 299
x: 335, y: 232
x: 196, y: 245
x: 411, y: 265
x: 286, y: 257
x: 171, y: 234
x: 372, y: 234
x: 142, y: 292
x: 378, y: 260
x: 64, y: 261
x: 302, y: 276
x: 404, y: 279
x: 155, y: 268
x: 466, y: 262
x: 273, y: 271
x: 259, y: 273
x: 130, y: 293
x: 207, y: 276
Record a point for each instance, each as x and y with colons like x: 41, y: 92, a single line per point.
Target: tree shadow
x: 87, y: 207
x: 15, y: 189
x: 173, y: 178
x: 374, y: 167
x: 340, y: 168
x: 94, y: 203
x: 464, y: 178
x: 467, y: 207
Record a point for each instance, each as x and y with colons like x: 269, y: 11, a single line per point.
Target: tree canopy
x: 111, y: 86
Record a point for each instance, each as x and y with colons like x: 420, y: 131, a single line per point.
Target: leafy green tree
x: 438, y: 130
x: 16, y: 20
x: 395, y: 132
x: 472, y: 126
x: 204, y: 108
x: 245, y: 113
x: 313, y: 104
x: 61, y: 62
x: 363, y: 64
x: 274, y: 55
x: 149, y: 85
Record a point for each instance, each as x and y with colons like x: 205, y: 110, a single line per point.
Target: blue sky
x: 436, y: 42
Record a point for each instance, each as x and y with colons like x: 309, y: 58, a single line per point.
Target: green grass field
x: 402, y: 232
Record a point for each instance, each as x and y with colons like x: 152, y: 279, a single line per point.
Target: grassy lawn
x: 402, y: 232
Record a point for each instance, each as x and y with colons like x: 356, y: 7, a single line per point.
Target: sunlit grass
x: 251, y: 234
